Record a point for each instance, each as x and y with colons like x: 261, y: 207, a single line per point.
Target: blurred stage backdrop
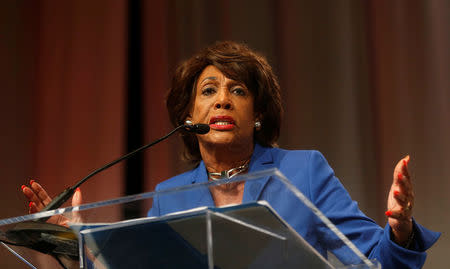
x: 364, y: 82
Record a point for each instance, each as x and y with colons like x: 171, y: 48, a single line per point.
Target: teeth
x: 221, y: 123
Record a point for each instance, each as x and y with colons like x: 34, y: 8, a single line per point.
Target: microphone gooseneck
x: 67, y: 193
x: 46, y: 237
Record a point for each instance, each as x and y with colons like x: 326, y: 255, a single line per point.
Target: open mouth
x: 221, y: 123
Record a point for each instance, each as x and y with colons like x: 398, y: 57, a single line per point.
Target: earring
x: 188, y: 122
x: 257, y: 124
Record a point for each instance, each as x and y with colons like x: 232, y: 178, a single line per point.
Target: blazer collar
x: 262, y: 159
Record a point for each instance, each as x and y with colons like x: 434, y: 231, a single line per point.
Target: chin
x: 225, y: 139
x: 223, y: 142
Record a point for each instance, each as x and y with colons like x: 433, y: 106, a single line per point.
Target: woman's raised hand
x: 400, y: 203
x: 39, y: 198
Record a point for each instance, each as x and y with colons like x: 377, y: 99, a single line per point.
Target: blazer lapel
x: 262, y: 159
x: 202, y: 196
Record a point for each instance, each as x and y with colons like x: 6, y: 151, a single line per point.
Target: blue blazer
x: 311, y: 174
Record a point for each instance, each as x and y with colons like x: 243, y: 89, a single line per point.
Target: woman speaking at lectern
x: 234, y: 90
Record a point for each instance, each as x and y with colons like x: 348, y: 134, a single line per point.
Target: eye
x: 239, y: 91
x: 208, y: 91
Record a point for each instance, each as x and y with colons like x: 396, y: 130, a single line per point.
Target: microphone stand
x: 67, y: 193
x: 59, y: 241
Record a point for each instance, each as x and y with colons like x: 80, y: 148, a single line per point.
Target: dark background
x: 364, y: 82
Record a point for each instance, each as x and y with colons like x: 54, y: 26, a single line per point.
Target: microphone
x: 57, y: 240
x: 197, y: 128
x: 67, y: 193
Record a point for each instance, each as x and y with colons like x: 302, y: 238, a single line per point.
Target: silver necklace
x: 228, y: 174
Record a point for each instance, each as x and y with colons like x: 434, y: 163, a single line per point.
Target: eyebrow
x: 231, y: 81
x: 211, y: 78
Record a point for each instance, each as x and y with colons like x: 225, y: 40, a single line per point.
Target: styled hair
x: 237, y: 62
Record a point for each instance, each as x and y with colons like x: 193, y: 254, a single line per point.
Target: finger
x: 400, y: 202
x: 404, y: 184
x: 27, y: 192
x: 401, y: 169
x: 77, y: 200
x: 32, y: 197
x: 32, y: 208
x: 405, y: 188
x: 402, y: 214
x: 400, y: 198
x: 40, y: 192
x: 62, y: 220
x: 405, y: 169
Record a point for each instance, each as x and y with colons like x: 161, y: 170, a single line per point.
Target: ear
x: 188, y: 120
x: 258, y: 122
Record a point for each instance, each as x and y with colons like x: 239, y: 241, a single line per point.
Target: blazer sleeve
x: 154, y: 211
x: 329, y: 195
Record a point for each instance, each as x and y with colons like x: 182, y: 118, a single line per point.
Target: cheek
x: 251, y: 111
x: 199, y: 110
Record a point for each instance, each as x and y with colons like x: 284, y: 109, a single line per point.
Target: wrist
x: 409, y: 243
x: 403, y: 237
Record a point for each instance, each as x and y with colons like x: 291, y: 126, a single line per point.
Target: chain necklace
x: 228, y: 174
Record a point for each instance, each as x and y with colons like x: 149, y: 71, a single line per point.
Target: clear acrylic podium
x: 249, y: 235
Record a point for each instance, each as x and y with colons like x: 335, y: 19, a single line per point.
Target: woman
x: 234, y: 90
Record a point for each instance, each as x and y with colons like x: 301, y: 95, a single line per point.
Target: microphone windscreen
x: 201, y: 128
x: 197, y: 128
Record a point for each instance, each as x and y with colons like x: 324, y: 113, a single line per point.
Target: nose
x: 223, y: 100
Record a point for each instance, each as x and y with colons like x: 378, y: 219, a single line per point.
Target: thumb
x: 77, y: 200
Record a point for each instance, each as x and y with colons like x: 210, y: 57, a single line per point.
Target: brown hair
x: 237, y: 62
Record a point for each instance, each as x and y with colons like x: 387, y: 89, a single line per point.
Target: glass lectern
x: 253, y: 234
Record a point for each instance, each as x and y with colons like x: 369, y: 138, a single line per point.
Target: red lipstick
x: 221, y: 123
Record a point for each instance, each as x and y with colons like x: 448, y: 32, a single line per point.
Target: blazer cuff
x: 423, y: 240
